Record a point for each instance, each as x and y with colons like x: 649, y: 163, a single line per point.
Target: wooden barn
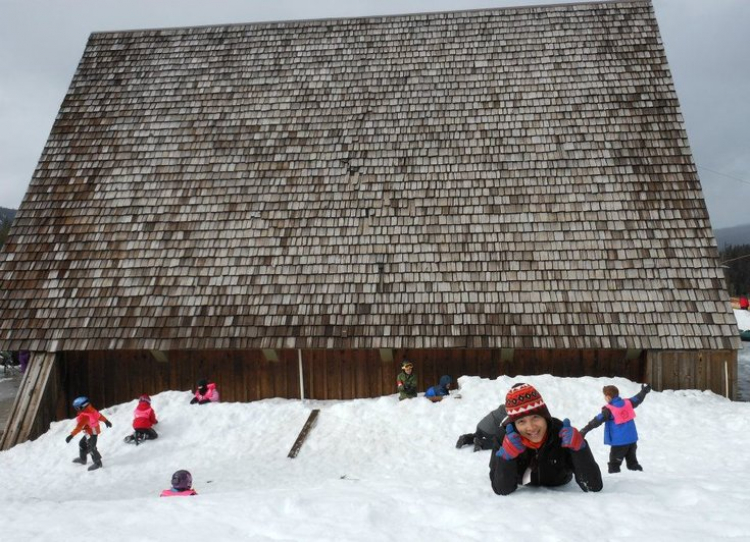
x: 293, y: 208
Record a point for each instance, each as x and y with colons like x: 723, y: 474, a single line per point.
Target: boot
x: 96, y: 465
x: 613, y: 468
x: 462, y: 441
x: 637, y: 466
x: 82, y: 456
x: 477, y: 444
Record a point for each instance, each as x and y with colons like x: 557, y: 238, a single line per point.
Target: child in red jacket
x: 87, y: 420
x: 144, y: 418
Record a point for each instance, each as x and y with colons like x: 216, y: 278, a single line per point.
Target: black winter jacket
x: 551, y: 465
x: 492, y: 422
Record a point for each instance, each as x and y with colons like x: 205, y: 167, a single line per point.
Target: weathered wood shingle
x: 494, y: 178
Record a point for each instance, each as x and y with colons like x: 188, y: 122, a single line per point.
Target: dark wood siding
x: 703, y: 370
x: 114, y: 377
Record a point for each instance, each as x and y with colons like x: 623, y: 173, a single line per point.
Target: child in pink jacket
x: 205, y: 393
x: 182, y: 485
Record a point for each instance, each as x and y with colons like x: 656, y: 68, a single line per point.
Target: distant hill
x: 737, y: 235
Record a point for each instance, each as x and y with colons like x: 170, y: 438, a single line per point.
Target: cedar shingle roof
x: 494, y: 178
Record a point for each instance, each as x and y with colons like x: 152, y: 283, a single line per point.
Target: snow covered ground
x: 380, y: 469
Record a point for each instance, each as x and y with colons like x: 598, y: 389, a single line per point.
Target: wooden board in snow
x: 303, y: 434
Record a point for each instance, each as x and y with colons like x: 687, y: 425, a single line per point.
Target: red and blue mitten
x: 512, y: 446
x: 571, y: 437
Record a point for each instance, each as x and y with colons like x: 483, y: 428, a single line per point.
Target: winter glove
x: 512, y: 446
x: 571, y: 437
x: 645, y: 388
x: 68, y: 438
x: 108, y: 423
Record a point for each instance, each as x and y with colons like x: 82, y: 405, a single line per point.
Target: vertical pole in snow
x: 726, y: 377
x: 301, y: 380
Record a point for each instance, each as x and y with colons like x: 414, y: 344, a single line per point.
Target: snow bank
x: 380, y: 469
x: 743, y: 319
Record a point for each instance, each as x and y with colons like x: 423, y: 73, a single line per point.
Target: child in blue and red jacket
x: 87, y: 420
x: 620, y: 432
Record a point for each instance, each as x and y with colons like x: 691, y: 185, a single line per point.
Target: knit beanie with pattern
x: 523, y: 400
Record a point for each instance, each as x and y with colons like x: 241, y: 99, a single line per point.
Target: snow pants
x: 626, y: 452
x: 480, y: 440
x: 87, y: 445
x: 146, y: 434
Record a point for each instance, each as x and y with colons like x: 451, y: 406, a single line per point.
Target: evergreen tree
x: 735, y: 260
x: 4, y: 229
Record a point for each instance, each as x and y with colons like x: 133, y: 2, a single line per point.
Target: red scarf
x: 534, y: 445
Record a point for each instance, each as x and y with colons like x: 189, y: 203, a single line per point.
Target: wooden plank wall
x: 573, y: 363
x: 33, y: 409
x: 690, y: 369
x: 109, y: 378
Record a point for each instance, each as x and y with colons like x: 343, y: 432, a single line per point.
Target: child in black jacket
x: 538, y: 450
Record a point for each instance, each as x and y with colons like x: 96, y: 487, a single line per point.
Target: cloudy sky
x: 41, y: 42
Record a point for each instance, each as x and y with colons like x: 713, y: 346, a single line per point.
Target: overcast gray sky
x: 41, y: 42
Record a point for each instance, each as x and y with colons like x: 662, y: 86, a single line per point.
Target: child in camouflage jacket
x: 406, y: 382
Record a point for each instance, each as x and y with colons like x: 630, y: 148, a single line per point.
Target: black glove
x: 108, y: 423
x: 194, y: 400
x: 68, y: 438
x: 645, y: 388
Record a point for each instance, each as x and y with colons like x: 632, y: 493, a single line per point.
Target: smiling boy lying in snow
x: 533, y: 448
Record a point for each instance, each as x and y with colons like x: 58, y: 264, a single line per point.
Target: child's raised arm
x: 638, y: 398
